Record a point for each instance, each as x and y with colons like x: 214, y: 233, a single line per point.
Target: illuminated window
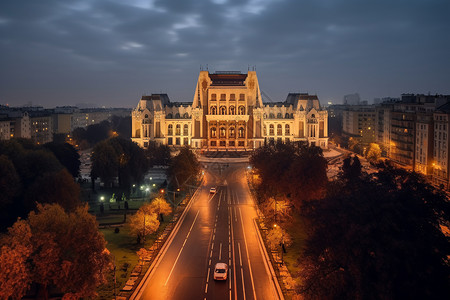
x: 279, y: 129
x: 222, y: 132
x: 223, y: 110
x: 241, y: 132
x: 232, y: 110
x: 170, y: 130
x: 232, y: 134
x: 178, y: 130
x: 186, y: 129
x: 271, y: 129
x: 213, y: 132
x: 242, y: 110
x: 213, y: 110
x: 287, y: 130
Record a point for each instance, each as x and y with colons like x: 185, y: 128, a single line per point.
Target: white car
x: 212, y: 190
x: 220, y: 271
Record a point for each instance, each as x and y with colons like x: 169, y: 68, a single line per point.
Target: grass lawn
x: 124, y: 247
x: 296, y: 230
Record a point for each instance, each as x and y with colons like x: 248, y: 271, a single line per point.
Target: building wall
x: 227, y: 112
x: 441, y: 149
x: 5, y: 130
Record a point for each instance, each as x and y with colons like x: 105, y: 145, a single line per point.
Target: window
x: 185, y: 141
x: 279, y: 116
x: 178, y: 130
x: 231, y: 143
x: 170, y: 129
x: 241, y: 132
x: 213, y: 97
x: 169, y: 141
x: 279, y: 129
x: 223, y: 143
x: 213, y: 143
x: 169, y: 116
x: 241, y: 97
x: 286, y: 116
x: 222, y: 97
x: 223, y: 110
x: 231, y: 131
x: 242, y: 110
x: 271, y: 116
x: 177, y: 141
x: 271, y: 129
x: 232, y: 97
x: 222, y: 132
x: 186, y: 129
x: 186, y: 115
x: 232, y: 110
x: 287, y: 129
x: 213, y: 110
x: 213, y: 132
x: 241, y: 144
x: 177, y: 116
x: 146, y: 116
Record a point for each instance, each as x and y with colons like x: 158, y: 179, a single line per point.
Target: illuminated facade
x: 227, y: 113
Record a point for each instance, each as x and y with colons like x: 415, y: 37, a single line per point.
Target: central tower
x: 227, y: 111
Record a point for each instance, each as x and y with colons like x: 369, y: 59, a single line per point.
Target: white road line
x: 207, y: 276
x: 234, y: 259
x: 248, y: 256
x: 235, y: 215
x: 243, y: 286
x: 240, y: 257
x: 209, y: 263
x: 206, y: 288
x: 220, y: 251
x: 179, y: 253
x: 212, y: 245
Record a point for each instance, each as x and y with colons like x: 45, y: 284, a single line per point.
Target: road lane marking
x: 207, y: 276
x: 243, y: 286
x: 248, y: 256
x: 240, y: 257
x: 235, y: 215
x: 209, y: 263
x: 179, y: 253
x: 212, y: 245
x: 206, y: 288
x: 234, y: 258
x: 220, y: 251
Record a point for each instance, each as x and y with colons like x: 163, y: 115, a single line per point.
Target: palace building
x: 227, y: 113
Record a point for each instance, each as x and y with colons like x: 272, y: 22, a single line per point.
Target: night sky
x: 109, y: 53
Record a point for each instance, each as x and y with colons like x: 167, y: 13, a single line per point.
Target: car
x: 212, y: 190
x: 221, y: 271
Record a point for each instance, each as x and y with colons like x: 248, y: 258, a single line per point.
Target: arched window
x: 271, y: 129
x: 186, y: 116
x: 213, y: 110
x: 178, y: 129
x: 170, y: 129
x: 177, y: 116
x: 242, y: 110
x: 313, y: 116
x: 279, y: 129
x: 223, y: 132
x: 271, y: 116
x: 232, y: 134
x: 213, y: 132
x: 241, y: 132
x: 169, y: 116
x: 223, y: 110
x: 232, y: 110
x: 146, y: 116
x: 279, y: 116
x: 286, y: 116
x: 287, y: 129
x: 185, y: 129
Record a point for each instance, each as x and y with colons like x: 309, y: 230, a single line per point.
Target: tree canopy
x: 379, y: 238
x: 54, y: 248
x: 183, y: 168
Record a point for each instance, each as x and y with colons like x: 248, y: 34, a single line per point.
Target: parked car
x: 212, y: 190
x: 221, y: 271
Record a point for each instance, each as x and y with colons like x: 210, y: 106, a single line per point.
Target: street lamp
x: 282, y: 242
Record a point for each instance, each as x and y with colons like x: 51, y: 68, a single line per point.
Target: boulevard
x: 216, y: 228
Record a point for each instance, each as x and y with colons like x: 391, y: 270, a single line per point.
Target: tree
x: 158, y: 155
x: 54, y: 187
x: 143, y: 222
x: 160, y: 206
x: 67, y: 155
x: 104, y: 162
x: 66, y: 250
x: 381, y: 239
x: 15, y: 251
x: 183, y: 168
x: 373, y: 153
x: 9, y: 182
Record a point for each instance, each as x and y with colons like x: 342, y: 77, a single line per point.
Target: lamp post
x: 282, y: 242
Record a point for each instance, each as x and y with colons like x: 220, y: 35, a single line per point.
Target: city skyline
x: 110, y: 54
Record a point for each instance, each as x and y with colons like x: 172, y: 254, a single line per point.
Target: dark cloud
x: 110, y: 52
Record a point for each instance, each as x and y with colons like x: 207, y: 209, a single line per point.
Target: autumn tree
x: 144, y: 222
x: 373, y: 153
x: 379, y: 239
x: 66, y: 250
x: 160, y: 206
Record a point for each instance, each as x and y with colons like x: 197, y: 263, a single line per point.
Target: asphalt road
x: 217, y: 228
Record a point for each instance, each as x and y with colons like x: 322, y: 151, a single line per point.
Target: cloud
x: 110, y: 51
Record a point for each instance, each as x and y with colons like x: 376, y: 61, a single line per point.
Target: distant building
x: 359, y: 123
x: 227, y: 112
x: 352, y: 99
